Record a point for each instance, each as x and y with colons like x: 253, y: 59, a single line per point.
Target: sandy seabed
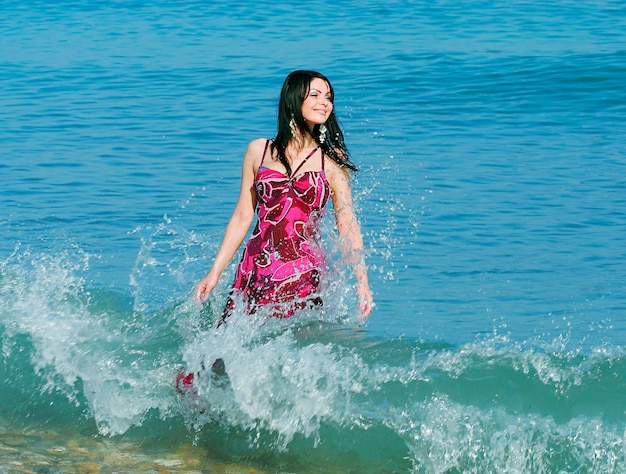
x: 47, y: 452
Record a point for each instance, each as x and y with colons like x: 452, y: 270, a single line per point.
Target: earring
x: 292, y: 127
x: 322, y: 133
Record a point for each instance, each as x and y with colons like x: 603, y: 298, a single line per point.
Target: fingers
x: 365, y: 309
x: 202, y: 292
x: 366, y: 302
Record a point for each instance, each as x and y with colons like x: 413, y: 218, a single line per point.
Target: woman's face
x: 317, y: 105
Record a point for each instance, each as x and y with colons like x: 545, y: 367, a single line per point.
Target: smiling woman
x: 288, y: 181
x: 318, y: 104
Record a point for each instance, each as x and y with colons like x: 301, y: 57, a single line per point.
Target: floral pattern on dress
x: 281, y: 263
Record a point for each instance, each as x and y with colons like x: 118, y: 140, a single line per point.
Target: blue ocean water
x: 490, y: 141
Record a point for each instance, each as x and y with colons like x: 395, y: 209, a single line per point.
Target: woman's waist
x: 274, y: 237
x: 289, y: 221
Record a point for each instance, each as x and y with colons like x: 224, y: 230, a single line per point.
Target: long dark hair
x: 295, y: 90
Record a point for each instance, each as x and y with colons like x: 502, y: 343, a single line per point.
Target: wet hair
x: 295, y: 90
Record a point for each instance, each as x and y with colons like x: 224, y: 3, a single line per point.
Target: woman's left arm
x: 350, y: 233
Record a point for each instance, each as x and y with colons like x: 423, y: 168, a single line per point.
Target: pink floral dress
x: 282, y: 262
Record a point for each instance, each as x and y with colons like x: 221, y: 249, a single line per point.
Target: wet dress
x: 282, y: 262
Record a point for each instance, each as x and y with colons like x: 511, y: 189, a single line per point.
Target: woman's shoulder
x: 254, y: 153
x: 334, y: 168
x: 257, y: 145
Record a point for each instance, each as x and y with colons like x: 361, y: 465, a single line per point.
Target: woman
x: 288, y: 181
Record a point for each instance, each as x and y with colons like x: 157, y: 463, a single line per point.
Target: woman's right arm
x: 239, y: 223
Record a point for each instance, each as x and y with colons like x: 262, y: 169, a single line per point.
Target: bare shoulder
x: 254, y: 152
x: 337, y: 173
x: 256, y: 146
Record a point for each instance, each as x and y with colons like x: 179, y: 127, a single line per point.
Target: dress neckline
x: 293, y: 177
x: 294, y: 174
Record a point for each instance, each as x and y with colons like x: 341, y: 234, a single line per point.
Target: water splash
x: 313, y: 382
x: 81, y: 343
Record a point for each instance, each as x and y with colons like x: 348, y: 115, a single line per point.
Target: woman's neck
x: 299, y: 143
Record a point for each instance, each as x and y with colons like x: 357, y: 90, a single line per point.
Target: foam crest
x: 548, y: 363
x: 279, y: 381
x: 445, y: 436
x: 94, y: 358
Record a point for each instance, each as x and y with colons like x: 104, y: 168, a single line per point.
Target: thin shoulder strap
x: 267, y: 143
x: 304, y: 161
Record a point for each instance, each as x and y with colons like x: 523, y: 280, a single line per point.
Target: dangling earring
x: 322, y: 133
x: 292, y: 127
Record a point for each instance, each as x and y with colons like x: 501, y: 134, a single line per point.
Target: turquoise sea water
x: 490, y: 138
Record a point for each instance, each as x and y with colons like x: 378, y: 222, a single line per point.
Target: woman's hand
x: 366, y: 300
x: 204, y: 287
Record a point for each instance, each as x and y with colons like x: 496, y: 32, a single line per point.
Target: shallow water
x: 491, y: 195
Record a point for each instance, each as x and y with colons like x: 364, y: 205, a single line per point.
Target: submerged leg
x: 183, y: 383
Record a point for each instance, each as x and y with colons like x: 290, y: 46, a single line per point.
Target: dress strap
x: 267, y: 144
x: 304, y: 161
